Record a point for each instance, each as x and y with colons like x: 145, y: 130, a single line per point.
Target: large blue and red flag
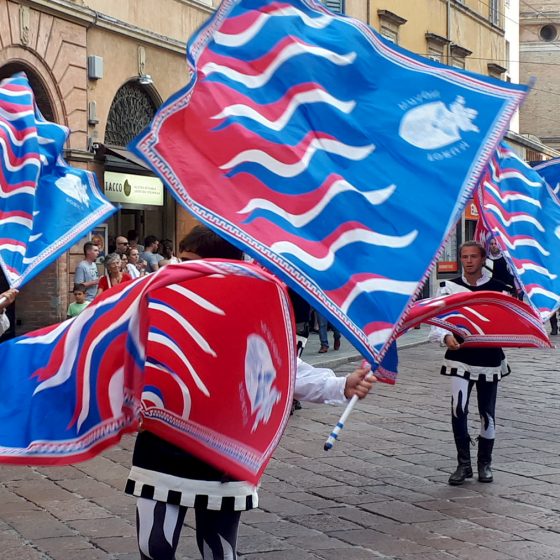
x: 338, y: 160
x: 179, y: 346
x: 45, y: 205
x: 519, y: 208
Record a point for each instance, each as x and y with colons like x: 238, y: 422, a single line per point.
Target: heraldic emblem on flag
x: 519, y: 208
x: 336, y: 159
x: 186, y: 343
x: 45, y: 205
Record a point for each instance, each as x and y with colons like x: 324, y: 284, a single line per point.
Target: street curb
x: 339, y: 361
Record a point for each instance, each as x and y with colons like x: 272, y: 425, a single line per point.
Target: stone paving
x: 381, y: 492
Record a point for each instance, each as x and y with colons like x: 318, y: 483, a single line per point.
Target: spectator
x: 133, y: 238
x: 150, y: 253
x: 113, y: 273
x: 124, y: 262
x: 86, y: 271
x: 168, y: 253
x: 80, y: 301
x: 121, y: 245
x: 6, y: 299
x: 135, y: 267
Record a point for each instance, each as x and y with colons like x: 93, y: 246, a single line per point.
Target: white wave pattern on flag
x: 291, y: 50
x: 282, y: 169
x: 374, y: 198
x: 315, y: 95
x: 239, y: 39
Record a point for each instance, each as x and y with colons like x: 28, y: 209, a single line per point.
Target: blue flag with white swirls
x: 45, y: 205
x: 335, y: 158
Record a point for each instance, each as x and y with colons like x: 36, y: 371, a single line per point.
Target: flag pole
x: 340, y: 424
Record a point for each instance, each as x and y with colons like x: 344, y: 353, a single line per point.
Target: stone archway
x: 132, y: 109
x: 40, y: 90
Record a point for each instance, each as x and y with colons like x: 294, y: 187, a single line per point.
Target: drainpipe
x: 448, y: 32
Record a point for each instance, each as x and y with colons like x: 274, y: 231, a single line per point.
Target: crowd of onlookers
x: 126, y: 260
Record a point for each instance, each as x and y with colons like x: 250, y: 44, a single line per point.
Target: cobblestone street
x: 380, y: 493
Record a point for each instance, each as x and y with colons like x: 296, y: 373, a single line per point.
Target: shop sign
x: 133, y: 189
x: 447, y: 266
x: 471, y: 212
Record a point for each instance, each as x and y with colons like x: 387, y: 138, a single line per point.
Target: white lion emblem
x: 434, y: 126
x: 259, y: 377
x: 72, y: 186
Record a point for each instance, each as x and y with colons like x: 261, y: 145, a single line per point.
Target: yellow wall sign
x: 133, y: 189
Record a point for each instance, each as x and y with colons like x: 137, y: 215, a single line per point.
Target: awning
x: 118, y: 158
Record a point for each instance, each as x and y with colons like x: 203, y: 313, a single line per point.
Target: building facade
x: 540, y: 57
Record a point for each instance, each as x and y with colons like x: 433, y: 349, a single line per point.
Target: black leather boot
x: 464, y: 469
x: 485, y: 447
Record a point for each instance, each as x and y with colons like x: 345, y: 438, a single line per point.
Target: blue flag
x: 45, y: 205
x: 518, y: 207
x: 338, y: 160
x: 550, y: 172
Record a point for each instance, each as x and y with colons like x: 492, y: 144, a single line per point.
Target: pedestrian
x: 150, y: 254
x: 553, y: 324
x: 323, y: 334
x: 497, y: 264
x: 162, y: 469
x: 86, y: 271
x: 113, y: 274
x: 6, y: 299
x: 467, y: 367
x: 80, y: 302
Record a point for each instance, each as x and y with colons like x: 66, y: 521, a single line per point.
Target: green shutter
x: 336, y: 6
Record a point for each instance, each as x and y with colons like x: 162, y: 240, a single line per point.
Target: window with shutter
x: 336, y: 6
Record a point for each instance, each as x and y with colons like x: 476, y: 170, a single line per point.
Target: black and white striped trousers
x: 159, y: 525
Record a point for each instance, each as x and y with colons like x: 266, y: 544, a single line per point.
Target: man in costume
x: 168, y: 480
x: 469, y: 366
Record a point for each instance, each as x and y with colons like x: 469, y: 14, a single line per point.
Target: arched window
x: 131, y: 111
x: 42, y: 97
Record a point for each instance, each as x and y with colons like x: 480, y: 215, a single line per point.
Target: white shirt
x: 133, y: 271
x: 318, y: 385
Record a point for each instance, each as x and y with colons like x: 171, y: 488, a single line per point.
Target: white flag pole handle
x: 340, y: 424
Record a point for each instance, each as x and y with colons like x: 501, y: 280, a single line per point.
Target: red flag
x: 208, y: 345
x: 482, y: 318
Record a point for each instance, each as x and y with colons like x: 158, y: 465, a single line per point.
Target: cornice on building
x: 496, y: 68
x: 458, y: 51
x: 534, y: 143
x: 77, y: 13
x: 540, y: 18
x: 433, y: 37
x: 391, y: 17
x: 475, y: 15
x: 541, y: 46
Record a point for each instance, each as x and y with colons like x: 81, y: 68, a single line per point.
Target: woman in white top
x: 136, y: 266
